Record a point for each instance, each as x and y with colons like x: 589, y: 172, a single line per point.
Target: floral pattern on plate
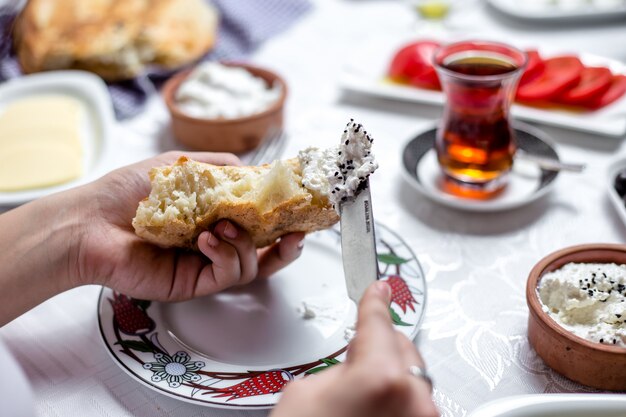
x: 138, y: 339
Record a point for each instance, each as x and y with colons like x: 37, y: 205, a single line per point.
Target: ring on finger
x: 419, y: 372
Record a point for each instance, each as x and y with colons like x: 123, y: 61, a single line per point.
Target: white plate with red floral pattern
x: 237, y: 349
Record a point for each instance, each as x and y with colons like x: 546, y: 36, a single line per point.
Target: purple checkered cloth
x: 244, y: 26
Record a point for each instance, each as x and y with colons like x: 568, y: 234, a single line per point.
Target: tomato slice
x: 594, y: 81
x: 534, y: 67
x: 615, y: 91
x: 413, y: 64
x: 559, y: 74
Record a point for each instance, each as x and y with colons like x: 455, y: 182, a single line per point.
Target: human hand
x: 112, y: 255
x: 374, y: 381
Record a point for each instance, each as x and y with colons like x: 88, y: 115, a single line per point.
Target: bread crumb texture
x: 268, y: 201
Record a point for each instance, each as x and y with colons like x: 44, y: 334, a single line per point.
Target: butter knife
x: 358, y: 243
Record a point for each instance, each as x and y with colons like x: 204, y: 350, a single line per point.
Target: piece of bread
x: 268, y: 201
x: 115, y: 39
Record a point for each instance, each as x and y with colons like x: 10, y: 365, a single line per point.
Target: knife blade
x: 358, y: 243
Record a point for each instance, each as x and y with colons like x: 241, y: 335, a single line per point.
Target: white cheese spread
x: 338, y: 172
x: 321, y: 308
x: 216, y: 91
x: 588, y: 300
x: 349, y: 333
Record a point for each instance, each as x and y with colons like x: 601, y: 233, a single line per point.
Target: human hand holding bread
x: 84, y: 236
x: 116, y: 257
x: 225, y: 211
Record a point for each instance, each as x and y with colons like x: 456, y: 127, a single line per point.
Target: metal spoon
x: 549, y: 164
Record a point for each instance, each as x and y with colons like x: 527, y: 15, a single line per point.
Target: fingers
x: 245, y: 248
x: 232, y: 253
x: 224, y: 270
x: 280, y: 254
x: 215, y: 158
x: 409, y: 355
x: 375, y: 334
x: 234, y: 257
x: 421, y: 403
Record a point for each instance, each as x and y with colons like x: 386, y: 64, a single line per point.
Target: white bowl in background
x: 555, y: 405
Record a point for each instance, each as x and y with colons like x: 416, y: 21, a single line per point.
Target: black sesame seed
x: 347, y: 141
x: 618, y: 316
x: 614, y: 341
x: 352, y: 120
x: 336, y: 173
x: 590, y: 293
x: 601, y: 340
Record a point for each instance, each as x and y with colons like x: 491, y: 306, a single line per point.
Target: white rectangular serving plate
x: 555, y: 405
x: 552, y: 11
x: 365, y: 74
x: 95, y: 130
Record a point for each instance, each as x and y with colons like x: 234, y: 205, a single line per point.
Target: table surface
x: 474, y: 333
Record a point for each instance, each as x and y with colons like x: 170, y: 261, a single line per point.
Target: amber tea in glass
x: 475, y: 141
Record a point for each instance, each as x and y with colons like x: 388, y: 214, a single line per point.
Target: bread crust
x: 116, y: 39
x: 299, y: 211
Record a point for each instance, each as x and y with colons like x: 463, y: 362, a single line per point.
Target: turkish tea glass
x: 475, y: 140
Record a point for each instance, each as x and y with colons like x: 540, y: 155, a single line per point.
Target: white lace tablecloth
x: 474, y: 333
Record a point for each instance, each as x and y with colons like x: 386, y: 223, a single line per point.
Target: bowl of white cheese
x: 577, y: 322
x: 225, y: 107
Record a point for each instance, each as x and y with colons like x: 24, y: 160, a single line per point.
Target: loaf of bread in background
x: 115, y: 39
x: 268, y: 201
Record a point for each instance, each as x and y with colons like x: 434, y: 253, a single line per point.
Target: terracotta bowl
x: 226, y: 135
x: 588, y: 363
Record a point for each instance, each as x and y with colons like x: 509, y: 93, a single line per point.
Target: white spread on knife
x: 337, y: 172
x: 40, y: 142
x: 588, y: 300
x: 216, y: 91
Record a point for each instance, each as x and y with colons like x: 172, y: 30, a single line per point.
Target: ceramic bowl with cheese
x: 577, y: 314
x: 225, y: 107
